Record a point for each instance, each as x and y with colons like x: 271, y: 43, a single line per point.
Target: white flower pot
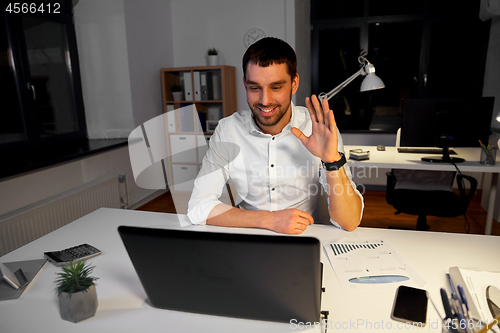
x: 177, y: 95
x: 213, y: 60
x: 79, y: 306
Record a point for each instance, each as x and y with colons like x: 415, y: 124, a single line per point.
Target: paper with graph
x: 369, y: 264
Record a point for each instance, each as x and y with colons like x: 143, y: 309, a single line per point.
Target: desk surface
x: 390, y: 158
x: 122, y: 300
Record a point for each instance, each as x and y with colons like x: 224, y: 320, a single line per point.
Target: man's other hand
x: 290, y: 221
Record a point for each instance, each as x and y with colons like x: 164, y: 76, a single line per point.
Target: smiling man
x: 279, y: 156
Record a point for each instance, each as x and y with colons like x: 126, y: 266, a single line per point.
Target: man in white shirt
x: 279, y: 156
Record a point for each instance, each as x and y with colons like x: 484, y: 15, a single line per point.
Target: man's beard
x: 268, y: 121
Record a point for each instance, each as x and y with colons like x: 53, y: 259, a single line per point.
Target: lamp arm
x: 341, y: 86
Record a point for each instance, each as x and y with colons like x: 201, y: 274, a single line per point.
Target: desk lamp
x: 370, y: 82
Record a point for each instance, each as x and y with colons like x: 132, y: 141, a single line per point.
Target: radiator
x: 34, y: 221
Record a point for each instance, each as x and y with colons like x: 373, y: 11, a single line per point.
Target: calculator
x: 79, y: 252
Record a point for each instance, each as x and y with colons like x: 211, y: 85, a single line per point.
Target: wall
x: 150, y: 47
x: 102, y: 48
x: 122, y: 45
x: 200, y: 25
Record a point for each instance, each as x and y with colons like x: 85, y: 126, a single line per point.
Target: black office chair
x: 423, y: 193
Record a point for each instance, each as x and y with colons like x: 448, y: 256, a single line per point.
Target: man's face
x: 269, y: 95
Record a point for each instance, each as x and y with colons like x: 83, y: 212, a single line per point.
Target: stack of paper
x: 475, y: 284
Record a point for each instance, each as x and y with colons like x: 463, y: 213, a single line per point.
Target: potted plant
x: 213, y: 57
x: 76, y: 291
x: 176, y: 90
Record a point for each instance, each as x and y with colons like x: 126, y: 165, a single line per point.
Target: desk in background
x: 391, y: 159
x: 122, y: 300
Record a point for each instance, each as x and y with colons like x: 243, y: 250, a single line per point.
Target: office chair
x: 424, y: 192
x: 324, y: 214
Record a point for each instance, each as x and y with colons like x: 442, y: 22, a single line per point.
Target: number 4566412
x: 33, y: 8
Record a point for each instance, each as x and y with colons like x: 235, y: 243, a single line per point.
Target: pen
x: 447, y: 308
x: 461, y: 291
x: 446, y: 304
x: 487, y: 153
x: 458, y: 310
x: 464, y: 305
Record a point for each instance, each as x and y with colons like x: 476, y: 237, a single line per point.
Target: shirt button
x: 272, y: 165
x: 273, y: 137
x: 272, y: 189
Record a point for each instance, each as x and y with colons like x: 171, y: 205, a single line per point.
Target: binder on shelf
x: 187, y: 86
x: 214, y: 85
x: 197, y: 85
x: 203, y: 86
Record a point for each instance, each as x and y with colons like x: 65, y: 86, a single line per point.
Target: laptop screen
x: 262, y: 277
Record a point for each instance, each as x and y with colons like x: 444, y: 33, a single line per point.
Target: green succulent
x: 74, y: 278
x: 212, y: 51
x: 175, y: 87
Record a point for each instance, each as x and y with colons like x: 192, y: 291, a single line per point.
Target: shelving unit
x: 227, y: 94
x: 213, y: 93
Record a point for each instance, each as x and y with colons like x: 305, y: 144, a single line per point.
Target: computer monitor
x: 459, y: 122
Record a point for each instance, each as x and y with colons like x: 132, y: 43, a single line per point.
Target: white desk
x: 391, y: 159
x: 122, y: 306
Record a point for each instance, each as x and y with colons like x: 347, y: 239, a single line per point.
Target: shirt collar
x: 294, y: 122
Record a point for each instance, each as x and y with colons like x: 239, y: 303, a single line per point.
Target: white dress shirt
x: 268, y: 172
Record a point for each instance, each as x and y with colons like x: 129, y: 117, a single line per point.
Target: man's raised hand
x: 323, y: 140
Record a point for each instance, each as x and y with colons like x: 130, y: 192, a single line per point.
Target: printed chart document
x: 369, y: 263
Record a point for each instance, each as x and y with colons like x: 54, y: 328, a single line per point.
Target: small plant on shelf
x: 175, y: 87
x: 212, y: 51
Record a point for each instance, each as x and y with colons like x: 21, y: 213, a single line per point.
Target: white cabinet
x: 183, y: 148
x: 184, y: 176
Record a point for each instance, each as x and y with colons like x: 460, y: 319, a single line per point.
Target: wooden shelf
x: 206, y: 110
x: 170, y: 76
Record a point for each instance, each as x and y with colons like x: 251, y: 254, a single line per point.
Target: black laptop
x: 262, y: 277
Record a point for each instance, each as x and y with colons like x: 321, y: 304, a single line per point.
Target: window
x: 420, y: 48
x: 40, y: 74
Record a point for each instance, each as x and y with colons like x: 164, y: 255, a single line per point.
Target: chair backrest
x: 324, y: 214
x: 426, y: 180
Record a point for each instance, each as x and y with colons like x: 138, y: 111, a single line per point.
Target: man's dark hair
x: 268, y: 51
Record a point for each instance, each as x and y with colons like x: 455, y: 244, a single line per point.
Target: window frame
x: 363, y: 24
x: 16, y: 40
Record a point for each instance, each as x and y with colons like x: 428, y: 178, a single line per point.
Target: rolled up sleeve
x: 209, y: 184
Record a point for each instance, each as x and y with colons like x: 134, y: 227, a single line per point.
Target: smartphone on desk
x: 410, y: 305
